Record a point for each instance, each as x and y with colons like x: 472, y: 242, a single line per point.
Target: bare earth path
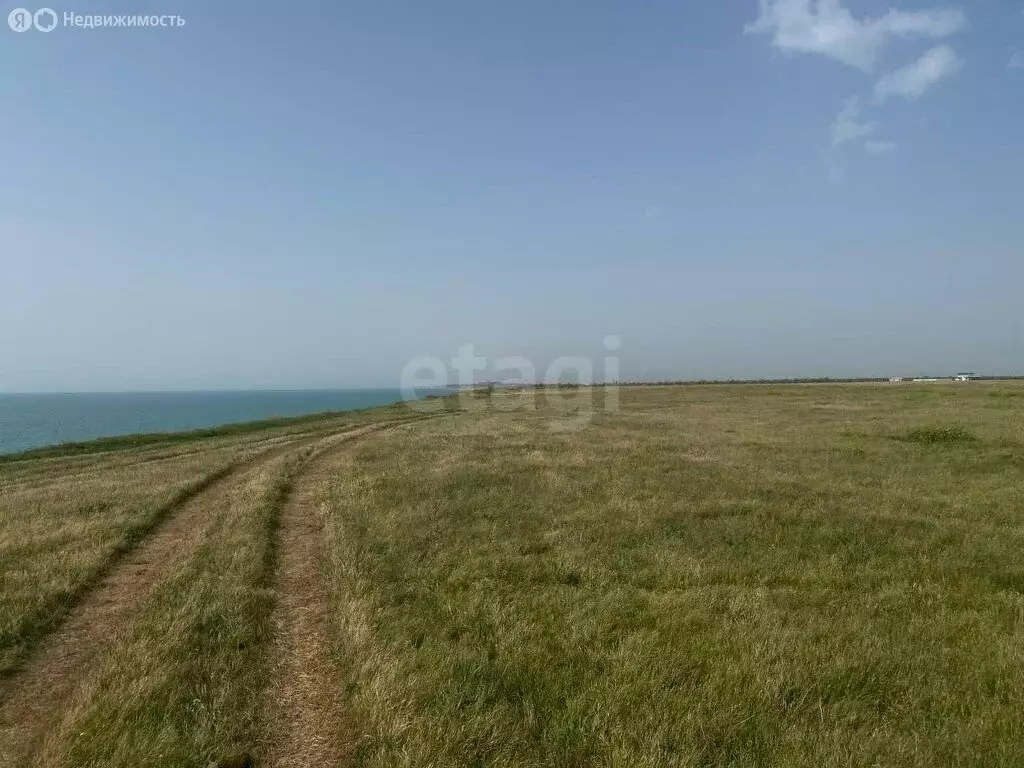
x: 31, y: 701
x: 305, y: 720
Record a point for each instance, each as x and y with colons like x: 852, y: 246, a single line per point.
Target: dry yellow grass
x: 730, y: 576
x: 734, y: 575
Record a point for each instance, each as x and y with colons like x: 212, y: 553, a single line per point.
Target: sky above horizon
x: 311, y: 196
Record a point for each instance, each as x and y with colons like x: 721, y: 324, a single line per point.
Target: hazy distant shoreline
x: 31, y: 421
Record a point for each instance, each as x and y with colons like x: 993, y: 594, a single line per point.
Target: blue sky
x: 309, y: 195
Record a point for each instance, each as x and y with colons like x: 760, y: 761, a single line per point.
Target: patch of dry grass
x: 179, y: 680
x: 181, y: 688
x: 713, y: 576
x: 64, y: 519
x: 58, y: 533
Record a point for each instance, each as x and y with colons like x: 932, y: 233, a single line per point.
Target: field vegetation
x: 731, y: 575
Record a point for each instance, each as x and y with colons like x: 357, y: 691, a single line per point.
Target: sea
x: 38, y: 420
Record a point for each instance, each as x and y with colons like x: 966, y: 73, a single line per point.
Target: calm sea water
x: 33, y: 421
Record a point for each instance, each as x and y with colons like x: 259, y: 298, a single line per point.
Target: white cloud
x: 879, y: 147
x: 913, y: 80
x: 1016, y: 60
x: 836, y: 171
x: 827, y: 28
x: 847, y: 125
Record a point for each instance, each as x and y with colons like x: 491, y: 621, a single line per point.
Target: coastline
x: 118, y: 439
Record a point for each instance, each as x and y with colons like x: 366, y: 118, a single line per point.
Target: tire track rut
x: 304, y: 719
x: 31, y: 700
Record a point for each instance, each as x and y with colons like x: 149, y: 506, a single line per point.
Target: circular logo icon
x: 45, y: 19
x: 20, y: 20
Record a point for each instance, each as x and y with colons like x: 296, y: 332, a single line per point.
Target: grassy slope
x: 713, y: 576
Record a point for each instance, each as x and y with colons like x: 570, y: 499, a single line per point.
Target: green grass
x: 784, y: 575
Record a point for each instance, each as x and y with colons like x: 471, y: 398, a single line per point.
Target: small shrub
x: 572, y: 579
x: 936, y: 434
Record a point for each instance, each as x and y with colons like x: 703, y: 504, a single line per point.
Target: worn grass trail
x: 164, y: 659
x: 32, y: 700
x: 62, y: 529
x: 305, y: 723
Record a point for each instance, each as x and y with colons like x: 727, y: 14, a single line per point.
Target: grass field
x: 800, y: 575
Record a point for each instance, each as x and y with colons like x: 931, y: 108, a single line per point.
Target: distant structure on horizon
x: 923, y: 379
